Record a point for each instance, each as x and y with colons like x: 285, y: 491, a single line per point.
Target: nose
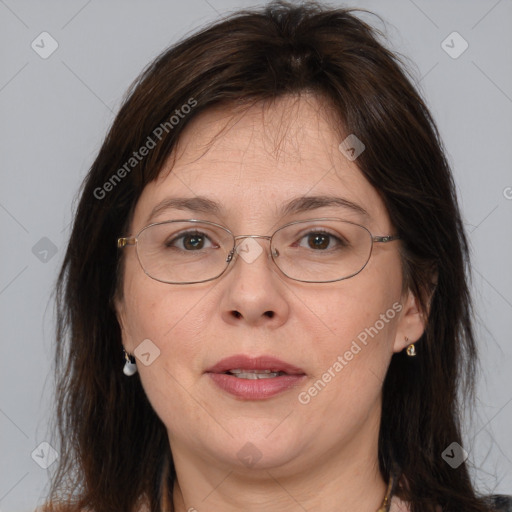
x: 254, y: 291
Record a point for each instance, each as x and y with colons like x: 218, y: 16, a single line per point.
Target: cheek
x: 361, y: 339
x: 351, y: 364
x: 172, y: 318
x: 361, y: 315
x: 151, y: 309
x: 173, y: 321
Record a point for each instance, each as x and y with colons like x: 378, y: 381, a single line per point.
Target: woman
x: 285, y: 321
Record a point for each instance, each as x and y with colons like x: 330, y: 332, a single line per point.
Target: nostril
x: 237, y: 314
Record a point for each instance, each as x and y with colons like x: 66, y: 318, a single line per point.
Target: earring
x: 130, y: 367
x: 411, y: 349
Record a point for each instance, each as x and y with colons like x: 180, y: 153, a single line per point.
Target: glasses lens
x: 321, y: 250
x: 184, y: 252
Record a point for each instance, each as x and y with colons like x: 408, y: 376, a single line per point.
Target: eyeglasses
x: 311, y: 251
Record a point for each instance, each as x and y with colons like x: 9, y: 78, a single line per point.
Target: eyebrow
x: 308, y: 203
x: 298, y: 205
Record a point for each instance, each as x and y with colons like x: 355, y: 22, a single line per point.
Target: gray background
x: 55, y: 112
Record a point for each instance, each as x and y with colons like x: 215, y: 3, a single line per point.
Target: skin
x: 318, y: 456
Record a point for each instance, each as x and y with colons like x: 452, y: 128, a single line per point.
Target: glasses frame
x: 125, y: 241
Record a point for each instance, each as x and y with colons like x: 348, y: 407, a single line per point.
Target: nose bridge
x: 236, y: 248
x: 252, y: 294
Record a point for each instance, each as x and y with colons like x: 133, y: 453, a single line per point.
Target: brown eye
x: 189, y: 242
x: 318, y: 241
x: 192, y: 242
x: 322, y: 240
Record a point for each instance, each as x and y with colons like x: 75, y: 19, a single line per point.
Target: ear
x: 120, y: 311
x: 411, y: 324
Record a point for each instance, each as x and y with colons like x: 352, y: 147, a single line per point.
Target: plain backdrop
x: 56, y: 110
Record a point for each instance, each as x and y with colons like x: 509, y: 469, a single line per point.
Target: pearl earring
x: 130, y: 367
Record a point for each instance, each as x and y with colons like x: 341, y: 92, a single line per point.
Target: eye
x: 190, y: 241
x: 323, y: 240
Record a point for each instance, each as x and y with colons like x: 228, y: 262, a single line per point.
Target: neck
x: 347, y: 479
x: 361, y: 492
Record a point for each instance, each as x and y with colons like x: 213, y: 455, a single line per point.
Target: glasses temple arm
x: 386, y: 238
x: 122, y: 242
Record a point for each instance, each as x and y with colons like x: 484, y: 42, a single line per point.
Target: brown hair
x: 114, y: 449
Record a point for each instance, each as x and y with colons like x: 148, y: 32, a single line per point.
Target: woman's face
x: 340, y: 335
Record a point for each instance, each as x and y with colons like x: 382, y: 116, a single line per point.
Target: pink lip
x: 254, y: 363
x: 255, y: 389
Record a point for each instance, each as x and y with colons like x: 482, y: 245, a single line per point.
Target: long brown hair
x: 114, y: 449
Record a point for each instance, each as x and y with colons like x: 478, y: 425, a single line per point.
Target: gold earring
x: 411, y: 349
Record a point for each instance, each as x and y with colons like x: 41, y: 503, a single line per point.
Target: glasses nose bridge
x: 241, y: 237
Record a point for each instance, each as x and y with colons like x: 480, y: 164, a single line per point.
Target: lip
x: 263, y: 362
x: 258, y: 389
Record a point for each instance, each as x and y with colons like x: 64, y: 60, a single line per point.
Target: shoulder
x: 397, y: 505
x: 51, y: 507
x: 500, y: 502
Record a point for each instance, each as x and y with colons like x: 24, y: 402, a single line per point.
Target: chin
x: 258, y: 453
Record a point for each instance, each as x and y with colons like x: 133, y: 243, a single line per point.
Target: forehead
x: 253, y: 161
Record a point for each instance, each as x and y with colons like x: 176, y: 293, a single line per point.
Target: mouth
x: 255, y: 378
x: 260, y: 367
x: 254, y: 374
